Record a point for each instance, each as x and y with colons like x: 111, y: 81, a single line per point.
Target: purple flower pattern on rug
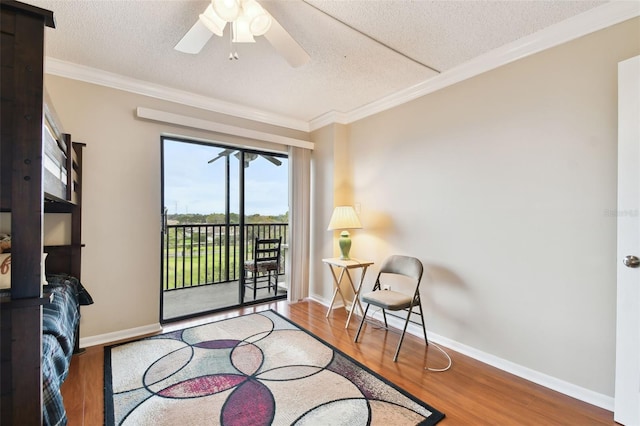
x: 257, y: 369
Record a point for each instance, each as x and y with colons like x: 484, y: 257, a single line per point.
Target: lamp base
x: 345, y: 245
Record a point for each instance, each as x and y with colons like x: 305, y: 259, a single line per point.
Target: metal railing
x: 205, y: 254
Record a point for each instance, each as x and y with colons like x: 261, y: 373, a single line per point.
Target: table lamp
x: 345, y: 218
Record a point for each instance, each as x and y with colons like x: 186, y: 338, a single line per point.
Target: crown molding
x: 73, y: 71
x: 588, y: 22
x: 331, y: 117
x: 593, y: 20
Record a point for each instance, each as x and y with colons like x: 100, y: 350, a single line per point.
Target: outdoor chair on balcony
x: 262, y: 270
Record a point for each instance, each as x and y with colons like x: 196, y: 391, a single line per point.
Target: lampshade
x: 344, y: 217
x: 213, y: 22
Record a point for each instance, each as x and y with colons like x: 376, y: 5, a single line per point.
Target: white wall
x: 121, y: 196
x: 502, y: 185
x: 321, y: 206
x: 331, y: 186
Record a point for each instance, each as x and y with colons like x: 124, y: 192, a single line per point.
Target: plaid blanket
x: 60, y: 319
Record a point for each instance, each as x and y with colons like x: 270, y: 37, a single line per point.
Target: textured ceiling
x: 361, y: 51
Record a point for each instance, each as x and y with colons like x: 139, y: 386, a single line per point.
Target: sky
x: 192, y: 185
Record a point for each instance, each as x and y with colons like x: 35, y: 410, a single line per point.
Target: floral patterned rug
x: 257, y: 369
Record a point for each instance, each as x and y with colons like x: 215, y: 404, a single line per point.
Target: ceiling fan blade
x: 224, y: 153
x: 195, y: 39
x: 286, y: 45
x: 274, y: 160
x: 214, y: 159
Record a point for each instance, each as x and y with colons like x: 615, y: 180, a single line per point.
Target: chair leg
x: 404, y: 330
x: 255, y: 284
x: 424, y: 328
x: 364, y: 315
x: 418, y: 304
x: 384, y: 315
x: 243, y: 288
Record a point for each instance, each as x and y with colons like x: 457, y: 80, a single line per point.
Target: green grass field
x: 204, y: 266
x: 191, y: 258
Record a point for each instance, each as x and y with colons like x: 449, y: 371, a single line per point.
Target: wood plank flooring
x: 470, y: 393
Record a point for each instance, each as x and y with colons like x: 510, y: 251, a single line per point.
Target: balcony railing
x: 204, y: 254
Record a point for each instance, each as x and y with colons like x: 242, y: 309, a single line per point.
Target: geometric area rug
x: 256, y: 369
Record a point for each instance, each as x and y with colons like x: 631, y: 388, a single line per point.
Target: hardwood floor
x: 470, y: 393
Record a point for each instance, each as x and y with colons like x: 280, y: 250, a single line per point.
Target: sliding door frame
x: 241, y: 218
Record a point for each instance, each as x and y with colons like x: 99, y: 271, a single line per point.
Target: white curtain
x: 299, y: 218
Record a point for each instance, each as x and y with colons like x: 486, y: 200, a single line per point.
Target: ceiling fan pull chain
x: 232, y: 55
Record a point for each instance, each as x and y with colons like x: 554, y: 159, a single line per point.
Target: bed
x: 61, y: 316
x: 60, y: 321
x: 60, y: 336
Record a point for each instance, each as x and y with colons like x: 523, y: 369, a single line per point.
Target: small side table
x: 344, y: 266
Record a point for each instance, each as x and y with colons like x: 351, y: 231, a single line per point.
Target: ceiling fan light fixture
x: 241, y: 31
x: 249, y: 19
x: 213, y: 22
x: 259, y: 19
x: 260, y: 25
x: 229, y: 10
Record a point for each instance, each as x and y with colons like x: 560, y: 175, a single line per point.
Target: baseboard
x: 550, y: 382
x: 116, y: 336
x: 337, y: 304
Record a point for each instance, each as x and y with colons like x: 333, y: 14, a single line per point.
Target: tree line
x: 219, y: 218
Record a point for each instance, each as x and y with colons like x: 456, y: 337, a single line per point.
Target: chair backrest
x: 266, y: 250
x: 402, y: 265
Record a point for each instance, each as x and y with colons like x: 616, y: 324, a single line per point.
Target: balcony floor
x: 194, y: 300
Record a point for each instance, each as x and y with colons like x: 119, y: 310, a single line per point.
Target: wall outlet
x: 386, y: 287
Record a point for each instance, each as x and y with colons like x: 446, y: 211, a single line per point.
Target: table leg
x: 364, y: 271
x: 356, y: 295
x: 336, y: 282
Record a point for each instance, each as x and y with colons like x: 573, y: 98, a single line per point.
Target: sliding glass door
x: 265, y: 209
x: 215, y: 200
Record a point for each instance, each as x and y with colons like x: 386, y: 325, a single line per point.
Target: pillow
x: 5, y: 270
x: 5, y: 242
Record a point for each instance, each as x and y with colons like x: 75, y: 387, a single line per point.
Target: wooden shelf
x: 8, y: 303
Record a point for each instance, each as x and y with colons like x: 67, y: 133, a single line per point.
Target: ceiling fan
x: 248, y: 157
x: 247, y: 18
